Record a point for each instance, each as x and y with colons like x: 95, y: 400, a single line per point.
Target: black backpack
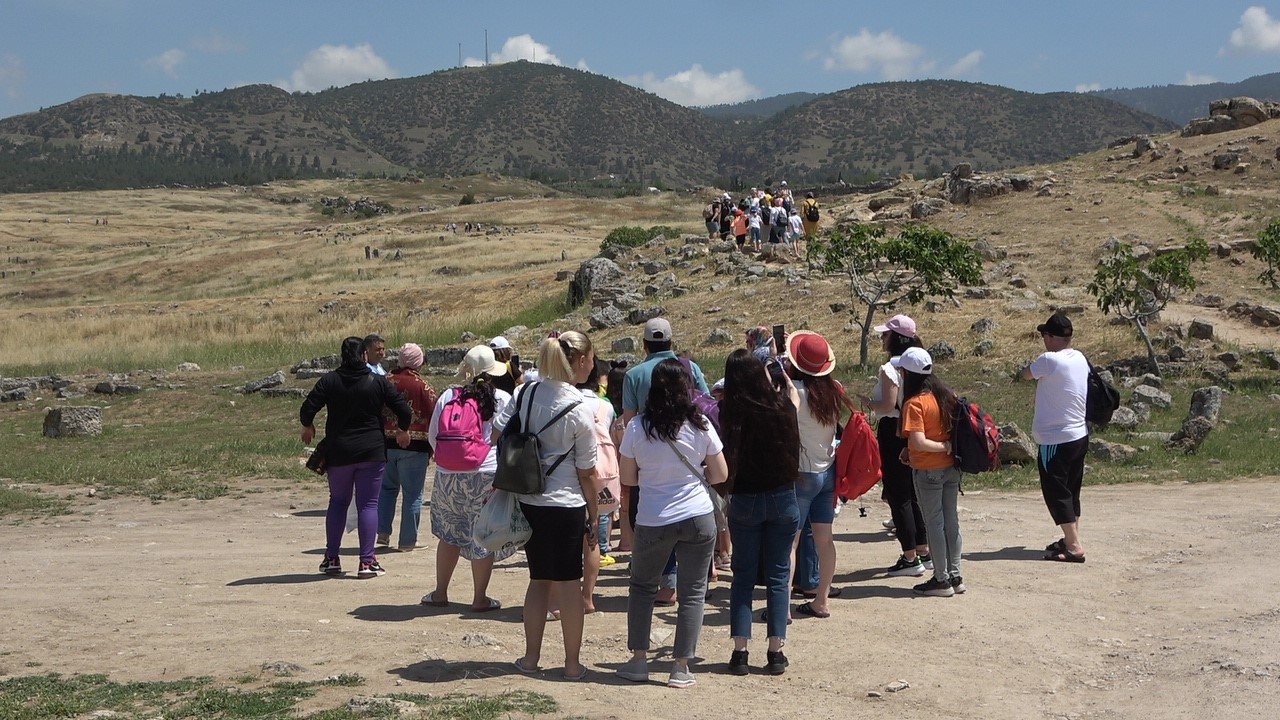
x: 766, y: 214
x: 1102, y: 399
x: 811, y: 212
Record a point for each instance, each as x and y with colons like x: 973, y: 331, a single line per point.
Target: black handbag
x: 317, y: 463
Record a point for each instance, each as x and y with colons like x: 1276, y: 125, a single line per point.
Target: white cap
x: 499, y: 343
x: 916, y: 360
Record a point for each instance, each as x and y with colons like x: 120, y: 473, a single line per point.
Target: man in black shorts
x: 1062, y: 382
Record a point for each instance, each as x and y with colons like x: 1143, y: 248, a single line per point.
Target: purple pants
x: 366, y: 479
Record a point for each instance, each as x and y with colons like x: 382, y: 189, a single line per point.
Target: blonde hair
x: 556, y: 355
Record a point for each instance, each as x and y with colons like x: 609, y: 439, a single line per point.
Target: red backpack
x: 460, y: 442
x: 857, y: 458
x: 975, y: 439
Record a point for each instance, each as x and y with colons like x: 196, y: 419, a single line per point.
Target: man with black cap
x: 1062, y: 382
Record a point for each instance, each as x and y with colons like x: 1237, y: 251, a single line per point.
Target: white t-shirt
x: 1061, y: 389
x: 574, y: 433
x: 754, y: 220
x: 878, y: 392
x: 669, y: 493
x: 817, y: 441
x: 500, y: 400
x: 797, y: 228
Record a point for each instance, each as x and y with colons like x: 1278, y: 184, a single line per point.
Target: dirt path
x: 1233, y: 330
x: 1176, y: 609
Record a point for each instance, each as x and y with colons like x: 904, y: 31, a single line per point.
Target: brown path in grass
x: 1175, y: 615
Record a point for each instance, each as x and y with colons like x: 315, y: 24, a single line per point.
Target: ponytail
x: 556, y: 355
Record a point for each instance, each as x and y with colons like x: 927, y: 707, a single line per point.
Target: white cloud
x: 1258, y: 33
x: 582, y: 65
x: 966, y: 64
x: 889, y: 55
x: 167, y: 62
x: 1088, y: 87
x: 337, y: 65
x: 214, y: 43
x: 696, y: 86
x: 13, y: 73
x: 1194, y: 78
x: 520, y: 47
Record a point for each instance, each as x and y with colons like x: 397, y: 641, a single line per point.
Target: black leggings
x: 899, y: 488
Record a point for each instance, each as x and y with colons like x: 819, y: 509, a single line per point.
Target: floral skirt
x: 456, y: 499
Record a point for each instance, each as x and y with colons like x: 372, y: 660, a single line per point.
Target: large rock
x: 1246, y: 111
x: 592, y: 275
x: 623, y: 345
x: 324, y: 362
x: 1209, y: 126
x: 1190, y: 436
x: 1124, y: 418
x: 188, y: 367
x: 603, y: 318
x: 1200, y: 330
x: 443, y: 357
x: 1152, y: 396
x: 642, y: 315
x: 1016, y: 448
x: 275, y: 379
x: 925, y: 207
x: 1114, y: 452
x: 941, y: 350
x: 73, y: 422
x: 117, y: 386
x: 1206, y: 402
x: 720, y: 336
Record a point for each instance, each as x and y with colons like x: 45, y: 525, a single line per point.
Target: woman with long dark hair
x: 460, y: 489
x: 663, y: 450
x: 927, y: 408
x: 355, y: 451
x: 822, y: 402
x: 896, y: 336
x: 762, y: 449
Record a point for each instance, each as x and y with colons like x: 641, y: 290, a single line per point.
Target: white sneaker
x: 888, y: 524
x: 635, y: 670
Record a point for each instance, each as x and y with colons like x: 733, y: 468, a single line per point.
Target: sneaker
x: 777, y: 663
x: 888, y: 524
x: 607, y: 560
x: 331, y: 566
x: 926, y: 561
x: 680, y: 678
x: 957, y: 584
x: 905, y: 567
x: 636, y: 670
x: 370, y: 570
x: 935, y: 588
x: 384, y: 538
x: 738, y: 663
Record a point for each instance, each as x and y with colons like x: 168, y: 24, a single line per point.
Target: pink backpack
x: 460, y: 442
x: 607, y: 482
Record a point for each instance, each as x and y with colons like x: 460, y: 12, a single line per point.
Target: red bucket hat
x: 810, y: 353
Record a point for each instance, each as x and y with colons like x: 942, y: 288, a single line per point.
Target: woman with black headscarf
x: 355, y: 448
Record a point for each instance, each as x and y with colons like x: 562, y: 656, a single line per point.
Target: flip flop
x: 524, y: 670
x: 1056, y: 546
x: 490, y: 606
x: 811, y: 611
x: 430, y: 600
x: 1064, y: 556
x: 812, y: 595
x: 580, y: 676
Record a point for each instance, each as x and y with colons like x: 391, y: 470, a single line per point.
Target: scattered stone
x: 1016, y: 447
x: 720, y: 336
x: 925, y: 207
x: 606, y: 317
x: 874, y: 694
x: 1113, y: 452
x: 838, y: 307
x: 1177, y: 352
x: 564, y: 275
x: 476, y: 639
x: 188, y: 367
x: 984, y: 347
x: 1150, y: 380
x: 324, y: 362
x: 115, y: 386
x: 1206, y: 402
x: 276, y: 379
x: 1124, y: 418
x: 942, y: 350
x: 281, y: 668
x: 16, y: 394
x: 983, y: 326
x: 988, y: 252
x: 1230, y: 359
x: 309, y: 373
x: 1225, y: 161
x: 382, y: 706
x: 897, y: 686
x: 623, y: 345
x: 1200, y: 330
x: 1190, y: 436
x: 643, y: 315
x: 277, y: 392
x: 1152, y: 396
x: 73, y: 422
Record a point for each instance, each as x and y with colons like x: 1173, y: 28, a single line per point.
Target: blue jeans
x: 762, y: 526
x: 407, y: 472
x: 807, y: 573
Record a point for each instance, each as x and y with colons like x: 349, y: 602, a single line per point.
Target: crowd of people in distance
x: 764, y: 219
x: 741, y: 475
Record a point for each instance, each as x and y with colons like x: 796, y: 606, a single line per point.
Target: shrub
x: 631, y: 236
x: 468, y: 199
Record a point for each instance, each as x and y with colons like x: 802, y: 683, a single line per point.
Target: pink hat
x: 410, y: 356
x: 900, y: 324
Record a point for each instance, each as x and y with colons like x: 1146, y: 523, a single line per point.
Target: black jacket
x: 353, y: 429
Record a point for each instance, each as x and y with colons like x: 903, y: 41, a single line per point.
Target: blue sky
x: 693, y: 53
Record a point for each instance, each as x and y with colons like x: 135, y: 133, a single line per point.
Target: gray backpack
x: 520, y: 470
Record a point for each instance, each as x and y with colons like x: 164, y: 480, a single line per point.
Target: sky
x: 692, y: 53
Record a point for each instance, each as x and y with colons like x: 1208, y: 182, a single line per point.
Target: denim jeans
x: 407, y: 472
x: 939, y: 493
x: 762, y: 526
x: 807, y: 571
x: 692, y: 541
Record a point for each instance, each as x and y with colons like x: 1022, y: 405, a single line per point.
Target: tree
x: 1138, y: 289
x: 1268, y: 251
x: 918, y: 263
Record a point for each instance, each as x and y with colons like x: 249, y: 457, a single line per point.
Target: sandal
x: 813, y: 594
x: 1056, y: 546
x: 811, y: 611
x: 723, y: 562
x: 525, y: 670
x: 430, y: 600
x: 1064, y: 556
x: 579, y: 676
x: 490, y: 606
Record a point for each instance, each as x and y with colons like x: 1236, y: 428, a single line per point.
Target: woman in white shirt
x: 896, y: 335
x: 457, y: 494
x: 565, y: 511
x: 662, y: 452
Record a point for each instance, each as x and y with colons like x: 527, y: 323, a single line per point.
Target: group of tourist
x: 745, y: 468
x: 763, y: 218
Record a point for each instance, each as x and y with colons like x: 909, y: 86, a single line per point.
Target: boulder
x: 1141, y: 410
x: 1151, y: 380
x: 983, y: 347
x: 1016, y: 448
x: 324, y: 362
x: 925, y: 207
x: 989, y: 252
x: 1124, y: 418
x: 188, y: 367
x: 113, y: 386
x: 1225, y: 161
x: 1245, y: 111
x: 1209, y: 126
x: 276, y: 379
x: 593, y: 275
x: 1152, y: 396
x: 603, y: 318
x: 983, y: 326
x: 15, y: 394
x: 276, y: 392
x: 1113, y: 452
x: 623, y: 345
x: 308, y: 373
x: 720, y: 336
x: 941, y: 350
x: 642, y: 315
x: 1200, y: 330
x: 881, y: 203
x: 1021, y: 182
x: 443, y: 357
x: 73, y: 422
x: 653, y: 267
x: 1206, y: 402
x: 1191, y: 435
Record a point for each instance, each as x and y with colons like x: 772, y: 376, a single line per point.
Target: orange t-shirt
x: 921, y: 414
x: 740, y: 226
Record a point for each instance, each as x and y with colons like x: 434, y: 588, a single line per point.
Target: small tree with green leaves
x: 1268, y: 251
x: 1138, y: 289
x: 918, y: 263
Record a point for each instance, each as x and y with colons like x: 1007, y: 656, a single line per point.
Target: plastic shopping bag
x: 501, y: 527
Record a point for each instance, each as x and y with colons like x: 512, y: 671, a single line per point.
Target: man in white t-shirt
x: 1062, y: 386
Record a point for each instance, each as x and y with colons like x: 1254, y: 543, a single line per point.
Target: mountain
x: 544, y: 122
x: 926, y: 126
x: 758, y: 109
x: 1181, y: 103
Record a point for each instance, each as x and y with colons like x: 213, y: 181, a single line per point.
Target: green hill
x: 1181, y: 103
